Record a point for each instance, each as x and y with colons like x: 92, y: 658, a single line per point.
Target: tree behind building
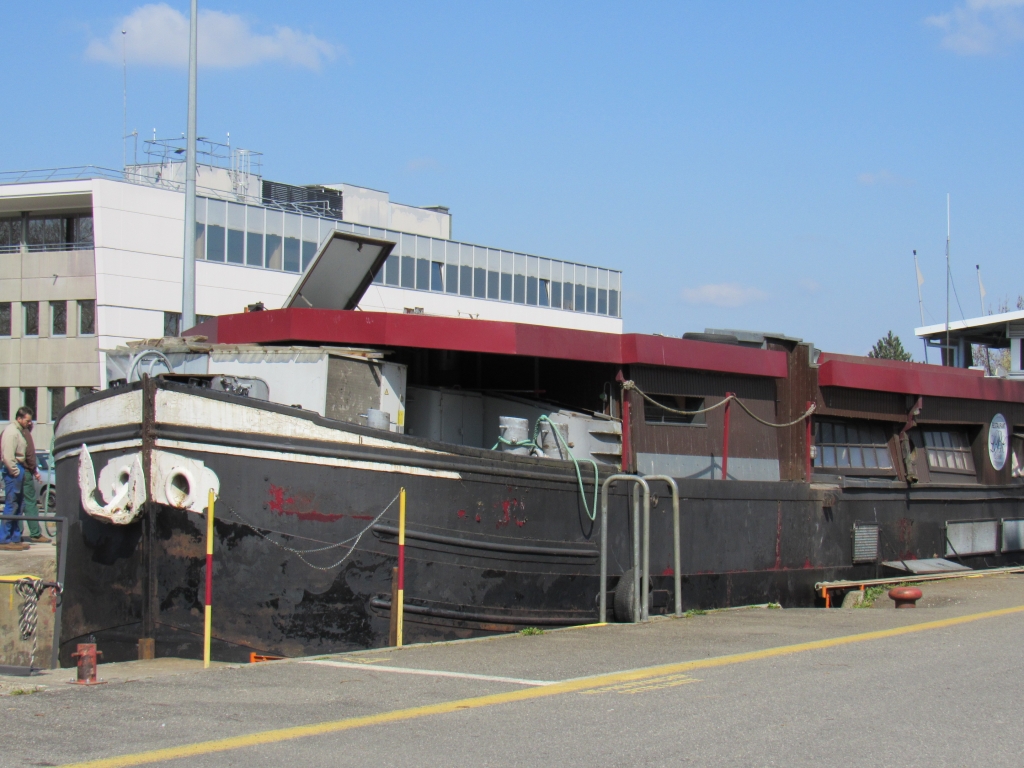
x: 889, y: 347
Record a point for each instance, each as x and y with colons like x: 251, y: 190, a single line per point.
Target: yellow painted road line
x: 428, y: 672
x: 476, y: 702
x: 642, y: 686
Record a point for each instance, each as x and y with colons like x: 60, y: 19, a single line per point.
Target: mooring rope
x: 300, y: 552
x: 31, y: 590
x: 626, y: 385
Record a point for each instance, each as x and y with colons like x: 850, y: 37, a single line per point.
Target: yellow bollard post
x: 401, y: 564
x: 209, y: 582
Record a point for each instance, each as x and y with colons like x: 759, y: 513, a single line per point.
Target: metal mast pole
x: 124, y: 93
x: 981, y: 288
x: 945, y: 357
x: 920, y: 301
x: 188, y: 280
x: 981, y: 298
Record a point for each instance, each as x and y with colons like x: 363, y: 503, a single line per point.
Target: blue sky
x: 748, y: 165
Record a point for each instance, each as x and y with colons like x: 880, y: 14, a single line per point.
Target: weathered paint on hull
x: 266, y: 599
x: 494, y: 545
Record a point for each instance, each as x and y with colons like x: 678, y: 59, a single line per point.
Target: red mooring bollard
x: 905, y: 597
x: 86, y: 655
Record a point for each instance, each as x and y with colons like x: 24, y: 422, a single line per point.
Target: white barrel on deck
x: 376, y: 419
x: 514, y: 430
x: 548, y: 441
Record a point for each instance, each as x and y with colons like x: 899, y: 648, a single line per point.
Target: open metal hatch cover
x: 340, y: 272
x: 926, y: 565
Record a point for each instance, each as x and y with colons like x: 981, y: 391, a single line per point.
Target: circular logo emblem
x: 998, y: 441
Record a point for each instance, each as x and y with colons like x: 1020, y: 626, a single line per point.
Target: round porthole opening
x: 179, y: 488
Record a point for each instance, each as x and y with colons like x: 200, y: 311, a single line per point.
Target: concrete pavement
x: 930, y: 686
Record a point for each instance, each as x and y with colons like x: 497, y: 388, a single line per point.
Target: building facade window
x: 172, y: 323
x: 56, y: 402
x: 58, y: 318
x: 274, y: 239
x: 81, y: 392
x: 52, y: 232
x: 29, y: 397
x: 653, y: 414
x: 948, y: 450
x: 236, y: 234
x: 5, y: 403
x: 851, y: 445
x: 10, y: 234
x: 30, y: 310
x: 86, y: 317
x: 5, y: 318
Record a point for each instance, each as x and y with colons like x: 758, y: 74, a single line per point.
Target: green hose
x: 591, y: 511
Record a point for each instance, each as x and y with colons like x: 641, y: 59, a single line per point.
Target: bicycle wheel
x: 51, y: 511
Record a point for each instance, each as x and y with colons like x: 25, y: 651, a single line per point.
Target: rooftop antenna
x: 920, y: 301
x: 124, y: 117
x: 981, y: 288
x: 945, y: 356
x: 981, y: 295
x: 188, y: 282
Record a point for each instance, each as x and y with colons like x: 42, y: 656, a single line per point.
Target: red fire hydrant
x: 905, y: 597
x: 86, y: 655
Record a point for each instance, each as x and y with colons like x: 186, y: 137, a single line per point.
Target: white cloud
x: 421, y: 164
x: 158, y: 34
x: 883, y: 178
x: 811, y: 286
x: 980, y: 27
x: 724, y: 294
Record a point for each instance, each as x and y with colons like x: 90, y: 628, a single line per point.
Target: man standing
x: 29, y: 503
x: 13, y: 449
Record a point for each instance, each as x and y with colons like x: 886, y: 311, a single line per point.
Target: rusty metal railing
x: 603, y: 597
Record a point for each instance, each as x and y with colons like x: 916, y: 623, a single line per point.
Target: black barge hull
x: 495, y: 543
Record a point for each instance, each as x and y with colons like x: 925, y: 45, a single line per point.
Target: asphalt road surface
x: 933, y: 686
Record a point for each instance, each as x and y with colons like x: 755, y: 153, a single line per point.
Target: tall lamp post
x: 188, y: 280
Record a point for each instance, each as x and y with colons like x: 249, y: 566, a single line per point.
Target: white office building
x: 92, y: 258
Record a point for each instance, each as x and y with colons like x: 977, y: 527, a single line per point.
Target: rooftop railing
x: 87, y: 172
x: 43, y: 247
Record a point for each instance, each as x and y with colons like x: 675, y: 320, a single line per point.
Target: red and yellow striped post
x: 401, y: 564
x: 209, y: 582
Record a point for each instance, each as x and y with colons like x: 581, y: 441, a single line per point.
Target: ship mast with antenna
x: 946, y: 353
x: 920, y: 301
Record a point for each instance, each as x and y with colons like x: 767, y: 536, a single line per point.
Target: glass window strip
x: 271, y: 238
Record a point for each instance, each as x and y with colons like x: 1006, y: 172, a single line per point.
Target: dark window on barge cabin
x: 653, y: 414
x: 855, y: 447
x: 948, y: 450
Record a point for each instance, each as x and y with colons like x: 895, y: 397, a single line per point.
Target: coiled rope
x: 533, y: 445
x: 626, y: 385
x: 301, y: 552
x: 31, y: 590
